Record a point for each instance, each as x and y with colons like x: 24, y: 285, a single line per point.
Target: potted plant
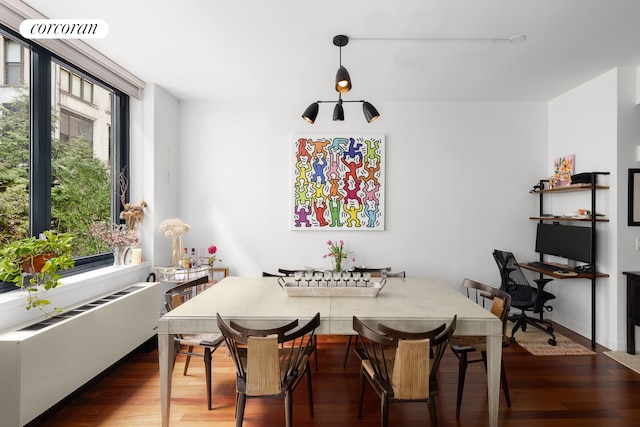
x: 41, y: 259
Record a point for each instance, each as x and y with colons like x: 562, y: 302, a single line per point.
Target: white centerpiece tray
x: 314, y: 288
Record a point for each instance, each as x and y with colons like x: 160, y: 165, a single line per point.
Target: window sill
x: 74, y: 290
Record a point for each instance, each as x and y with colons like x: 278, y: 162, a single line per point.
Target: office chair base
x: 522, y: 321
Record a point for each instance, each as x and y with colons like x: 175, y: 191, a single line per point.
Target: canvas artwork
x: 338, y: 183
x: 564, y: 167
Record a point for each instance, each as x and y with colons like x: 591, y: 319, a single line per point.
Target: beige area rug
x: 631, y: 361
x: 537, y: 343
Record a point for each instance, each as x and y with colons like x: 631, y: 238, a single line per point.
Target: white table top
x: 413, y: 303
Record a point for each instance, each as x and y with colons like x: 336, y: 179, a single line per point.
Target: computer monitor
x: 567, y: 241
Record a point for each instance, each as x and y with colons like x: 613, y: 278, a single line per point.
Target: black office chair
x: 524, y: 296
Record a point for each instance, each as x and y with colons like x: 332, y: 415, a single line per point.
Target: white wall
x: 598, y: 122
x: 628, y: 141
x: 443, y: 218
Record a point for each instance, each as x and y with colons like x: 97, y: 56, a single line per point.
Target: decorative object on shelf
x: 119, y: 255
x: 33, y: 262
x: 174, y: 228
x: 563, y: 168
x: 133, y: 215
x: 117, y: 236
x: 337, y: 254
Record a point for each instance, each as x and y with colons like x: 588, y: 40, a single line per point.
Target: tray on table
x: 300, y: 289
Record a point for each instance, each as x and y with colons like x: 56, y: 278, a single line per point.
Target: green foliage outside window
x: 81, y: 184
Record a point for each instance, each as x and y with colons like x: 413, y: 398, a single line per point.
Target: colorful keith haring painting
x: 338, y: 183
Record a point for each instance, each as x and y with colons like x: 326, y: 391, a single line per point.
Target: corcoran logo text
x: 64, y: 28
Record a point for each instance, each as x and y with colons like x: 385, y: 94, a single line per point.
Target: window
x: 76, y: 86
x: 13, y: 69
x: 75, y: 126
x: 61, y: 151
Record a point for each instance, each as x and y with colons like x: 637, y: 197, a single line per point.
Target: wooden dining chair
x: 464, y: 346
x: 270, y: 362
x: 375, y: 272
x: 209, y: 343
x: 401, y: 366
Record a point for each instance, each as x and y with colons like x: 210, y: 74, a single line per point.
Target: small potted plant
x: 31, y: 262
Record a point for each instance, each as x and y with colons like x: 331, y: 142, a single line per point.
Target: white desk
x: 412, y: 303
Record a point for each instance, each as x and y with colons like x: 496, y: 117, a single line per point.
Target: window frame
x: 41, y: 139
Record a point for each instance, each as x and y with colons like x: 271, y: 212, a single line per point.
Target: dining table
x: 411, y: 304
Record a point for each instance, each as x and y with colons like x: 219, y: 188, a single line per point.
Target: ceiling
x: 261, y: 50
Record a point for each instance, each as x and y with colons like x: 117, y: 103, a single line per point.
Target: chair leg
x: 309, y: 389
x: 505, y: 386
x: 288, y: 408
x: 242, y: 400
x: 346, y: 351
x: 315, y: 350
x: 207, y: 373
x: 462, y: 370
x: 433, y: 415
x: 186, y: 362
x: 361, y: 398
x: 384, y: 410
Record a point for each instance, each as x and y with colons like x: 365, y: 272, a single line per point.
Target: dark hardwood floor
x: 550, y: 391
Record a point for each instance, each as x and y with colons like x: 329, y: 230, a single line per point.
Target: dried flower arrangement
x: 133, y: 213
x: 114, y: 234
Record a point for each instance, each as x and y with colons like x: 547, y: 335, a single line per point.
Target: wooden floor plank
x: 558, y: 391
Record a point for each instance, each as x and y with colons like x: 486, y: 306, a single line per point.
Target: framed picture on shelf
x: 634, y: 197
x: 218, y: 274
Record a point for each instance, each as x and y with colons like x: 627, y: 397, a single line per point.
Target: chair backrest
x: 510, y: 273
x: 288, y: 272
x: 184, y: 291
x: 267, y: 274
x: 411, y: 368
x: 400, y: 274
x: 375, y: 272
x: 500, y: 301
x: 265, y: 368
x: 418, y: 354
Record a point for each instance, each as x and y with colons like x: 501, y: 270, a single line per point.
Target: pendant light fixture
x: 343, y: 85
x: 343, y: 80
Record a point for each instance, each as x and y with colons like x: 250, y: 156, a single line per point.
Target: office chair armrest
x: 539, y: 299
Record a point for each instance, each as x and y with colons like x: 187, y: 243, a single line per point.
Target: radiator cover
x: 44, y: 362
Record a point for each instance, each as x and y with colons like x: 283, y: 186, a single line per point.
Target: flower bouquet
x: 337, y: 254
x: 174, y: 228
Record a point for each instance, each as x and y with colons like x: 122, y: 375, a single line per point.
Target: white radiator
x: 45, y: 362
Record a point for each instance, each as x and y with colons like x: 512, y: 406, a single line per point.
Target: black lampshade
x: 311, y: 113
x: 370, y: 112
x: 343, y: 81
x: 338, y: 112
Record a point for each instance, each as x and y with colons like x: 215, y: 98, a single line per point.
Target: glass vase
x: 119, y: 255
x: 337, y: 265
x: 176, y: 251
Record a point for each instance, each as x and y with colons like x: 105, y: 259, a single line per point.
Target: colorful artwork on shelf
x: 563, y: 168
x: 338, y: 183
